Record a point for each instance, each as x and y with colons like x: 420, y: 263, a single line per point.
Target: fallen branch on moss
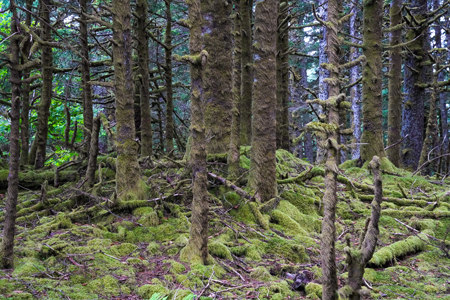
x: 229, y: 184
x: 416, y: 231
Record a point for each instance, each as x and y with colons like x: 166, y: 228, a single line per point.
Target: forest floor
x: 71, y: 244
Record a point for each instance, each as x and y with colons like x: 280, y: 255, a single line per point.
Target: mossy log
x: 34, y: 179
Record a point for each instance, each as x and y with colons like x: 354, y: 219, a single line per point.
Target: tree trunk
x: 328, y: 252
x: 282, y: 77
x: 234, y: 152
x: 323, y: 74
x: 128, y: 181
x: 218, y: 43
x: 263, y: 162
x: 26, y: 89
x: 415, y: 73
x: 355, y: 94
x: 196, y: 251
x: 93, y: 153
x: 46, y: 93
x: 170, y: 127
x: 359, y: 257
x: 142, y: 45
x: 395, y: 86
x: 7, y: 243
x: 372, y: 135
x: 247, y: 72
x: 88, y: 112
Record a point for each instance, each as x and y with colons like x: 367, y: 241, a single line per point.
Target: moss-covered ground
x: 74, y: 245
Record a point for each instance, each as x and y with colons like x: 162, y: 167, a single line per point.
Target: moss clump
x: 122, y: 249
x: 142, y: 211
x: 288, y: 225
x: 261, y: 273
x: 220, y: 250
x: 176, y: 267
x: 150, y: 220
x: 398, y: 249
x: 308, y: 223
x: 147, y: 290
x: 204, y: 272
x: 107, y: 285
x: 28, y: 267
x: 289, y: 250
x: 314, y: 290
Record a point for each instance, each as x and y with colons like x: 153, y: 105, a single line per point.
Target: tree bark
x: 196, y: 251
x: 7, y: 243
x: 146, y: 119
x: 372, y: 135
x: 26, y: 89
x: 170, y: 126
x: 246, y: 72
x: 263, y: 162
x: 395, y: 86
x: 88, y: 112
x: 93, y: 153
x: 282, y: 77
x: 46, y: 93
x: 235, y: 139
x: 218, y: 83
x: 415, y: 73
x: 128, y: 182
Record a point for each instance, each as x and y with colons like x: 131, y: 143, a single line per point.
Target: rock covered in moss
x: 220, y: 250
x: 314, y: 290
x: 261, y: 273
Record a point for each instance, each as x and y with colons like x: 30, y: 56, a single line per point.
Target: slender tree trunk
x: 395, y: 86
x: 372, y: 135
x: 263, y: 162
x: 146, y: 119
x: 88, y: 112
x: 26, y: 89
x: 355, y: 94
x: 93, y: 153
x: 128, y: 182
x: 218, y: 82
x: 323, y: 75
x: 170, y: 126
x: 196, y: 251
x: 235, y: 139
x: 7, y: 243
x: 415, y: 73
x: 282, y: 77
x: 328, y: 252
x: 247, y: 72
x: 46, y: 93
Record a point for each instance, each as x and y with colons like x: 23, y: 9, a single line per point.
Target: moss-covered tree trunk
x: 415, y: 73
x: 88, y: 112
x: 431, y: 132
x: 196, y: 251
x: 395, y: 86
x: 323, y: 75
x: 282, y: 77
x: 328, y: 252
x: 142, y: 45
x: 372, y: 135
x: 170, y: 126
x: 246, y: 72
x: 26, y: 90
x: 235, y: 139
x: 263, y: 162
x: 218, y: 83
x: 93, y: 153
x: 355, y: 93
x: 128, y: 182
x: 358, y: 257
x: 7, y: 243
x: 46, y: 92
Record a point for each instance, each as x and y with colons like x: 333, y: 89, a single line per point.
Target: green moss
x: 308, y: 223
x: 313, y: 290
x: 150, y: 220
x: 107, y: 285
x: 176, y: 267
x: 122, y: 249
x: 244, y: 162
x: 220, y: 250
x: 261, y: 273
x: 147, y: 290
x: 142, y: 211
x: 289, y: 225
x: 28, y: 267
x: 289, y: 250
